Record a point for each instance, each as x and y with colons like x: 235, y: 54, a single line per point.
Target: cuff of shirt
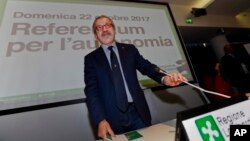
x: 162, y: 80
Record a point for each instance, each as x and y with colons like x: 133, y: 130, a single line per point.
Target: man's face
x: 105, y: 33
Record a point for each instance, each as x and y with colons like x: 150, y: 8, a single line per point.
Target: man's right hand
x: 104, y: 129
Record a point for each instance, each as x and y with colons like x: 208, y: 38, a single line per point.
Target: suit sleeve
x: 94, y: 104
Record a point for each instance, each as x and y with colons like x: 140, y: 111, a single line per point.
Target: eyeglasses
x: 106, y: 26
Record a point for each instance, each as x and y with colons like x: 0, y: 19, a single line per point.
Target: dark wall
x: 205, y: 34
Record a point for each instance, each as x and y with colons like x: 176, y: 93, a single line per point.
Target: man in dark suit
x: 101, y: 83
x: 234, y: 70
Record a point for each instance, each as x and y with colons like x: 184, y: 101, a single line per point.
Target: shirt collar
x: 105, y: 47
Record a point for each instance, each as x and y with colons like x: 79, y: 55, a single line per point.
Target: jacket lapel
x: 122, y: 54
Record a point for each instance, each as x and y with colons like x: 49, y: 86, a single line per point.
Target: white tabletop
x: 158, y: 132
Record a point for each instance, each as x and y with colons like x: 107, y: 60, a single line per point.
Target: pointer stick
x: 210, y: 92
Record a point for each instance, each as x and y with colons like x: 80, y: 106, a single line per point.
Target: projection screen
x: 43, y: 44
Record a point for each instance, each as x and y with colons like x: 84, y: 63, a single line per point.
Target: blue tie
x: 120, y: 92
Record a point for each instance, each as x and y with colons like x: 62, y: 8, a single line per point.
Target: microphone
x: 159, y: 70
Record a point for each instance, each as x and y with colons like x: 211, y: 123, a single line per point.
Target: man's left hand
x: 174, y: 79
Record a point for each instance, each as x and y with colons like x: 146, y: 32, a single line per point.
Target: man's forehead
x: 101, y: 20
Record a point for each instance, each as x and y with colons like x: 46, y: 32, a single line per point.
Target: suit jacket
x: 99, y: 89
x: 232, y: 69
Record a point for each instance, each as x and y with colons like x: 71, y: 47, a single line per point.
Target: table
x: 158, y: 132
